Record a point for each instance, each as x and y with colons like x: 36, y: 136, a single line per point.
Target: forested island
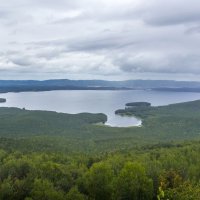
x: 49, y: 155
x: 135, y: 108
x: 137, y: 104
x: 2, y: 100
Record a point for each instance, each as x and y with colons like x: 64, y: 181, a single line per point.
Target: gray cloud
x: 162, y: 13
x: 100, y: 39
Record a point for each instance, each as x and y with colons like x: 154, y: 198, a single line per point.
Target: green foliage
x: 47, y: 155
x: 44, y: 189
x: 98, y: 181
x: 161, y: 193
x: 138, y: 174
x: 133, y: 184
x: 186, y: 191
x: 74, y: 194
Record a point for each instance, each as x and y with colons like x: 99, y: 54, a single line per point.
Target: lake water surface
x: 93, y: 101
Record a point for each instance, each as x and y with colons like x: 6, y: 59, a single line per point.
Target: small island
x: 2, y: 100
x: 134, y: 108
x: 138, y: 104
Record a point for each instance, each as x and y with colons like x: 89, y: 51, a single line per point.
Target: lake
x: 93, y: 101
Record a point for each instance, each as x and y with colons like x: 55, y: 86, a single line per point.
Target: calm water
x: 94, y: 102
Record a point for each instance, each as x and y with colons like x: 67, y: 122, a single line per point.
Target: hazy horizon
x: 124, y: 80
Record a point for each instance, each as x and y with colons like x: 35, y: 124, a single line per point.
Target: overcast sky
x: 100, y: 39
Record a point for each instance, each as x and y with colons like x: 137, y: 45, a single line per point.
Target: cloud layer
x: 108, y: 39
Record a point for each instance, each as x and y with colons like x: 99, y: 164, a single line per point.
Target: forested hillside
x: 176, y: 122
x: 49, y: 156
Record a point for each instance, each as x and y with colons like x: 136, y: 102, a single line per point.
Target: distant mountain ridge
x: 66, y: 84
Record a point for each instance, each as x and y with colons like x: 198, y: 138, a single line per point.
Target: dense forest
x: 154, y: 172
x: 49, y: 156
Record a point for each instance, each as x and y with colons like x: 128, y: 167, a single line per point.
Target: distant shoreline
x: 66, y: 84
x: 18, y: 90
x: 42, y: 89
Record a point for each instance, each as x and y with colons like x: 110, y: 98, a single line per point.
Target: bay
x: 94, y: 101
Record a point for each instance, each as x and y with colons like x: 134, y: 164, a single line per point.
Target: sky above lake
x: 100, y: 39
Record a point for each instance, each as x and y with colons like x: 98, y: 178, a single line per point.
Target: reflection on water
x: 77, y: 101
